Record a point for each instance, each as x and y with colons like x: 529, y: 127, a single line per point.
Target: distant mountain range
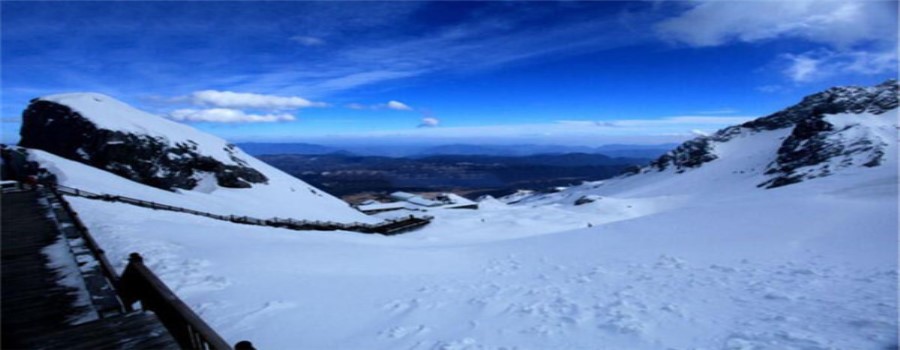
x: 347, y: 175
x: 418, y: 151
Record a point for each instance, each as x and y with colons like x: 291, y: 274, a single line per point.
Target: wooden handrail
x: 105, y: 266
x: 138, y: 283
x: 387, y: 227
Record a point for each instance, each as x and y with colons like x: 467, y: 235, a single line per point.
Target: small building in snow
x: 402, y: 196
x: 409, y: 201
x: 378, y: 207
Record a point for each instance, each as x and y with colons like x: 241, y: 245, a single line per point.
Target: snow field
x: 663, y: 280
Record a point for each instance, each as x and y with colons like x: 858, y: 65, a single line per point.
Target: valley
x: 356, y: 178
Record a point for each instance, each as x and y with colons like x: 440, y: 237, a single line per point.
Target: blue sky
x: 586, y: 73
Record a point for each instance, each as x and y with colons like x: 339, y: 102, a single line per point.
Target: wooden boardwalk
x: 37, y: 312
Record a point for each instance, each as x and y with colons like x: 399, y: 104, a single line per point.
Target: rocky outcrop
x: 690, y: 154
x: 151, y: 160
x: 817, y: 148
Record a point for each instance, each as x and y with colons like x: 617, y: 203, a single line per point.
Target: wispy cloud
x: 429, y: 122
x: 226, y: 115
x: 229, y: 99
x: 392, y: 105
x: 860, y: 36
x: 482, y: 43
x: 718, y: 111
x: 821, y: 64
x: 397, y: 106
x: 685, y: 121
x: 837, y: 23
x: 592, y: 132
x: 308, y: 40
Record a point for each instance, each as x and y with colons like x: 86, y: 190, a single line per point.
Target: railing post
x: 135, y: 258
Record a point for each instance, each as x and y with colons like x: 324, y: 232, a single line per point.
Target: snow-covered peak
x: 806, y: 124
x: 99, y: 144
x: 105, y: 133
x: 108, y: 113
x: 843, y: 139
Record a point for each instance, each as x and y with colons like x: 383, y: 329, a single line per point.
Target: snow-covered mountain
x: 837, y: 128
x: 96, y: 143
x: 105, y: 133
x: 846, y: 132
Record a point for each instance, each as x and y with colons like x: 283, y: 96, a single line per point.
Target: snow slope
x: 111, y: 114
x: 741, y: 163
x: 699, y: 260
x: 276, y: 195
x: 283, y: 196
x: 803, y: 269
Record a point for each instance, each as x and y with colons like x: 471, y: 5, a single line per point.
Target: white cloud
x: 718, y: 111
x: 308, y: 40
x: 429, y: 122
x: 397, y: 105
x: 354, y: 80
x: 229, y: 99
x: 226, y: 115
x: 801, y: 68
x: 837, y: 23
x: 588, y: 123
x: 820, y: 64
x: 668, y: 129
x: 704, y: 120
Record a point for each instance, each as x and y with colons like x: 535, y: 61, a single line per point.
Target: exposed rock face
x: 817, y: 148
x: 813, y: 141
x: 690, y: 154
x: 153, y: 161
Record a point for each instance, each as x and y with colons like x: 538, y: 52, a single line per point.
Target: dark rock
x: 587, y: 199
x: 690, y: 154
x: 153, y: 161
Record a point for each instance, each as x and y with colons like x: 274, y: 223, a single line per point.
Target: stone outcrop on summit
x: 102, y: 132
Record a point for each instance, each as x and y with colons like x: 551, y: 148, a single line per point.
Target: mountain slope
x: 96, y: 143
x: 103, y: 132
x: 814, y: 139
x: 855, y: 144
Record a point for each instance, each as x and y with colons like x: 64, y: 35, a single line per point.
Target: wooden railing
x: 386, y: 227
x: 105, y: 266
x: 138, y: 283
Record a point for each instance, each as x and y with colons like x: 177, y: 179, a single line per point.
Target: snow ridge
x: 813, y: 141
x: 105, y: 133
